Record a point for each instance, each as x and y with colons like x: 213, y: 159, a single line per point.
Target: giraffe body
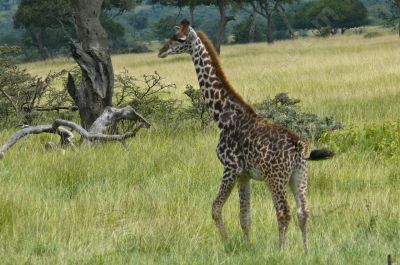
x: 249, y: 146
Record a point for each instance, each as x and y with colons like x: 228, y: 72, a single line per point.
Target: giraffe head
x: 180, y: 42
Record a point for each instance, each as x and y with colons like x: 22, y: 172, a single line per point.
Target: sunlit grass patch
x: 151, y: 204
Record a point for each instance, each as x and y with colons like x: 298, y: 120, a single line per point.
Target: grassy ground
x: 151, y: 204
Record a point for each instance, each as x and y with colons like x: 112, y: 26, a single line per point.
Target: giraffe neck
x: 222, y: 101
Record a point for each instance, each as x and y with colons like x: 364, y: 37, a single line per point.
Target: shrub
x: 22, y: 96
x: 324, y: 32
x: 283, y: 110
x: 381, y: 138
x: 198, y: 110
x: 372, y: 34
x: 147, y: 95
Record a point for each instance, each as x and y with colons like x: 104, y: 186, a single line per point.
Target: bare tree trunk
x: 282, y: 13
x: 398, y: 28
x: 223, y: 20
x: 191, y: 14
x: 37, y: 39
x: 266, y: 9
x: 270, y: 38
x: 252, y: 28
x: 93, y: 56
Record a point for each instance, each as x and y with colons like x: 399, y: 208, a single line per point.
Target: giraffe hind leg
x: 283, y: 216
x: 279, y: 197
x: 228, y: 182
x: 299, y: 188
x: 245, y: 207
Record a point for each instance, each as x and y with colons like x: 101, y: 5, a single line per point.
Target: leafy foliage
x: 241, y: 31
x: 283, y: 110
x: 147, y: 95
x: 272, y: 11
x: 383, y: 139
x: 164, y: 28
x: 338, y: 14
x: 45, y: 23
x: 197, y: 110
x: 391, y: 15
x: 22, y: 95
x: 41, y: 21
x: 373, y: 34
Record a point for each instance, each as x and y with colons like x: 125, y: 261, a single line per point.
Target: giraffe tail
x: 320, y: 154
x: 315, y: 155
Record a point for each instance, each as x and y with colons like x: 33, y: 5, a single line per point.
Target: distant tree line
x: 40, y: 25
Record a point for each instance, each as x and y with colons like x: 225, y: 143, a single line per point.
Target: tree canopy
x: 46, y: 20
x: 337, y: 14
x: 391, y: 16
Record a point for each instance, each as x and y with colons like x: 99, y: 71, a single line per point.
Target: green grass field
x: 152, y: 203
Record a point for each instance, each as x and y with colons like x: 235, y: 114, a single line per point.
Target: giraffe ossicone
x: 249, y: 146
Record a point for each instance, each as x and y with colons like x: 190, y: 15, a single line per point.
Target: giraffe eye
x: 181, y: 40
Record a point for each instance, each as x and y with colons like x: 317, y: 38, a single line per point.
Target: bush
x: 381, y: 138
x: 198, y: 110
x: 283, y: 110
x: 147, y: 96
x: 138, y: 47
x: 280, y: 109
x: 324, y: 32
x: 372, y: 34
x: 22, y: 96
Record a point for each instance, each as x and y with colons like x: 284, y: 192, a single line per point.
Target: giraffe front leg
x: 228, y: 182
x: 245, y: 207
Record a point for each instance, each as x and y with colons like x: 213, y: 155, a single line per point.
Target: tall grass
x: 151, y: 204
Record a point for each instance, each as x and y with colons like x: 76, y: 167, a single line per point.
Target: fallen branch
x: 112, y: 115
x: 55, y: 108
x: 65, y: 135
x: 95, y: 133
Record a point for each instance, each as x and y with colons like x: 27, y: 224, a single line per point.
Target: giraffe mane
x: 219, y: 71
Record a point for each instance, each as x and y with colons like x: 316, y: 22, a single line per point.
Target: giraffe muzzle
x: 163, y: 52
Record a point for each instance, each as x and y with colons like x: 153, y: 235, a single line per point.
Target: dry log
x: 96, y: 132
x: 66, y: 136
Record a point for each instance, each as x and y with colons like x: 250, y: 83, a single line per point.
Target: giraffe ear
x: 185, y: 23
x: 184, y: 26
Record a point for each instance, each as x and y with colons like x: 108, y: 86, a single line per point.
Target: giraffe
x: 249, y: 146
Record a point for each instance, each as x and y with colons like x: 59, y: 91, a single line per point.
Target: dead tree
x: 92, y: 53
x: 96, y: 132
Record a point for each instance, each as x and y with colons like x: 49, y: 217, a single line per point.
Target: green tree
x: 224, y: 18
x: 248, y: 30
x: 222, y: 6
x: 39, y: 18
x: 8, y: 4
x: 46, y: 21
x: 268, y: 9
x: 391, y: 16
x: 191, y: 4
x: 332, y: 14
